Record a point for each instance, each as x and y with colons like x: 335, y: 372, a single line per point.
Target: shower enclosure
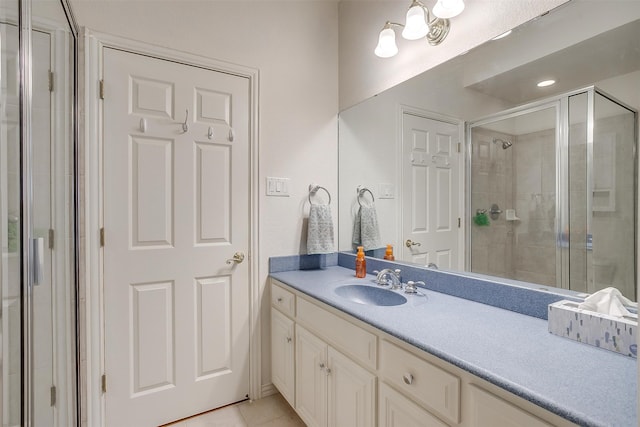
x: 37, y: 226
x: 552, y: 193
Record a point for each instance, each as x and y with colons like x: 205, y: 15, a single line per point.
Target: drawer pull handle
x: 408, y: 379
x: 288, y: 339
x: 279, y: 299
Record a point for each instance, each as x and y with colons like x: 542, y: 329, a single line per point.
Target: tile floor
x: 271, y: 411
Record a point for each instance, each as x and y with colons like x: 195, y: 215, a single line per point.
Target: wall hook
x: 232, y: 134
x: 210, y: 133
x: 185, y: 126
x: 143, y: 125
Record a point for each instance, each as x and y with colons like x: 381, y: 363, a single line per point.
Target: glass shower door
x: 37, y: 240
x: 10, y: 217
x: 513, y: 196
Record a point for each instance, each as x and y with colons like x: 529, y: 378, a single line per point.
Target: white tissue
x: 608, y: 301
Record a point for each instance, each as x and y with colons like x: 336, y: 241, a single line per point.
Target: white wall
x: 295, y: 47
x: 362, y: 74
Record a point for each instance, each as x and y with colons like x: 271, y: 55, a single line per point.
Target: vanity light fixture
x: 546, y: 83
x: 418, y: 24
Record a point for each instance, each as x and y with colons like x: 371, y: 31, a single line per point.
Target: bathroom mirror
x: 578, y: 45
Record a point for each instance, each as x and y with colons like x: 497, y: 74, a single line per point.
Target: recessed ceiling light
x: 546, y: 83
x: 501, y: 36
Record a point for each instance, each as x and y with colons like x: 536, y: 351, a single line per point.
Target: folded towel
x: 320, y: 230
x: 365, y: 228
x: 608, y: 301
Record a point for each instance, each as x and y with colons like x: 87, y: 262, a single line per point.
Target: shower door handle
x: 37, y: 261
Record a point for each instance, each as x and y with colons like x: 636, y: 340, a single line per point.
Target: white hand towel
x: 608, y: 301
x: 366, y: 232
x: 320, y: 230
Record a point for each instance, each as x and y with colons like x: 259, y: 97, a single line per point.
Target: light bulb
x: 448, y: 8
x: 386, y: 43
x: 415, y: 26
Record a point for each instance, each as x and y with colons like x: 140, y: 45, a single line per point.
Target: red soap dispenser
x: 361, y: 263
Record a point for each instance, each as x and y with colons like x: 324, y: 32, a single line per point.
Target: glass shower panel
x: 611, y: 261
x: 575, y: 237
x: 10, y: 216
x: 513, y: 196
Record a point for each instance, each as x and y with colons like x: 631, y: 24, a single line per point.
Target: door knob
x: 410, y: 243
x: 238, y: 257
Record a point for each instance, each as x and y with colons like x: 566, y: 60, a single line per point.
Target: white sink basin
x: 369, y: 295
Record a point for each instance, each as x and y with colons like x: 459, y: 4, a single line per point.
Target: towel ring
x: 361, y: 191
x: 313, y: 189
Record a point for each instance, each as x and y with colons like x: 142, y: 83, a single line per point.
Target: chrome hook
x: 185, y: 126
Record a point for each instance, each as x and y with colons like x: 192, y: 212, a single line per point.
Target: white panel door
x: 176, y: 208
x: 431, y: 189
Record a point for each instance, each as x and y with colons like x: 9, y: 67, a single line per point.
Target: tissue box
x: 601, y: 330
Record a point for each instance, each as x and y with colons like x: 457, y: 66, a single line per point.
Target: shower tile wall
x: 535, y: 202
x: 522, y: 178
x: 491, y: 174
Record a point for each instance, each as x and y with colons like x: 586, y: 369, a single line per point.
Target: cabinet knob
x: 407, y: 378
x: 288, y: 339
x: 322, y: 366
x: 279, y: 299
x: 327, y: 371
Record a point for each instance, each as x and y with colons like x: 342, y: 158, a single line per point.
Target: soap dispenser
x: 388, y: 255
x: 361, y: 263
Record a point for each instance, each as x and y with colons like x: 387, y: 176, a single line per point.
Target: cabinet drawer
x: 284, y: 300
x: 490, y: 410
x: 433, y: 387
x: 344, y: 335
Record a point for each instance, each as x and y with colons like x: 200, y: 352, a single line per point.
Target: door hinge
x: 53, y: 395
x: 101, y: 89
x: 459, y: 147
x: 102, y: 237
x: 459, y: 222
x: 51, y: 81
x: 51, y: 238
x: 104, y: 383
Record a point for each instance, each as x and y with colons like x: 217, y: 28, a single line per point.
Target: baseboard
x: 268, y: 389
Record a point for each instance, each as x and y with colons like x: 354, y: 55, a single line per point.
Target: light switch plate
x: 387, y: 191
x: 277, y: 186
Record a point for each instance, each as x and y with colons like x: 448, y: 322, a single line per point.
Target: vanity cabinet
x: 339, y: 371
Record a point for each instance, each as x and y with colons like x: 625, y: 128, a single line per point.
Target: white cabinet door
x: 311, y: 378
x: 489, y: 410
x: 352, y: 392
x: 397, y: 411
x: 282, y: 363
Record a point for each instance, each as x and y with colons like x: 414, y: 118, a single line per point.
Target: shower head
x: 505, y: 144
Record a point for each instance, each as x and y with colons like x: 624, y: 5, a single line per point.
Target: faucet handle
x: 411, y: 287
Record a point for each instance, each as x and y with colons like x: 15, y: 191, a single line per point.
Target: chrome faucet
x: 389, y: 277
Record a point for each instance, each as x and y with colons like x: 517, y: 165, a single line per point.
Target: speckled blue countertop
x: 584, y: 384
